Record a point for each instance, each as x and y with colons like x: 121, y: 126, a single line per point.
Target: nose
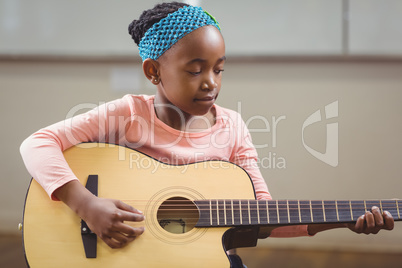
x: 210, y: 83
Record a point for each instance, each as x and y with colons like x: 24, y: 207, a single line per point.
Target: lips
x: 206, y: 98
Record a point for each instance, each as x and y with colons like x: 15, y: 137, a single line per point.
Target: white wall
x: 274, y: 27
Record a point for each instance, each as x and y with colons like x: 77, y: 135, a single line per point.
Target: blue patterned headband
x: 165, y: 33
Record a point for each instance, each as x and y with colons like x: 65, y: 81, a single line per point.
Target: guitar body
x: 51, y: 231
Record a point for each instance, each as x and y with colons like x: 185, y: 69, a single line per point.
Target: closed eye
x: 219, y: 71
x: 195, y: 73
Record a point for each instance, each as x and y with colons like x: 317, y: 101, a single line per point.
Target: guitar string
x: 345, y: 212
x: 330, y: 217
x: 272, y: 204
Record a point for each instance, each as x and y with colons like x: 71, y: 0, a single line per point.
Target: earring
x: 155, y: 80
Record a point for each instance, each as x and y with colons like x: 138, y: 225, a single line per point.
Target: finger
x: 370, y: 220
x: 389, y: 220
x: 126, y: 207
x: 379, y: 221
x: 111, y: 243
x: 121, y: 239
x: 130, y: 216
x: 128, y: 230
x: 129, y: 213
x: 114, y: 243
x: 360, y: 224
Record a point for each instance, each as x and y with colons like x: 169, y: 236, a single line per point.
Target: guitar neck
x: 226, y: 213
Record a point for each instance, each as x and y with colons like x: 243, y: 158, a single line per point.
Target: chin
x: 199, y: 110
x: 202, y: 112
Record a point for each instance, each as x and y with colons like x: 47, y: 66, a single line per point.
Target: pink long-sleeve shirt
x: 131, y: 121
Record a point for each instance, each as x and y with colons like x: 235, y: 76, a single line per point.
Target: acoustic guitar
x: 193, y: 213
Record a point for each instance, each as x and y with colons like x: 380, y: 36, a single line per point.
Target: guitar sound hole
x: 177, y: 215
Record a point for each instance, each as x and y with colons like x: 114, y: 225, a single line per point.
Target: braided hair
x: 138, y: 28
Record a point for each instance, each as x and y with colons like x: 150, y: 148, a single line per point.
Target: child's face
x: 191, y: 71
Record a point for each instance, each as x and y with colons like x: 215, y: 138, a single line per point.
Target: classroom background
x: 318, y: 82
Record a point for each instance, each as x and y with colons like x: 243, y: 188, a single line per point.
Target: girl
x: 183, y: 55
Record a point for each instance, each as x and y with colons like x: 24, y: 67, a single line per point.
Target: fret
x: 371, y: 203
x: 397, y: 208
x: 305, y: 211
x: 351, y: 211
x: 298, y: 208
x: 381, y: 207
x: 277, y: 211
x: 390, y: 206
x: 317, y: 211
x: 249, y: 213
x: 287, y: 208
x: 258, y: 213
x: 217, y: 212
x: 282, y: 211
x: 214, y: 212
x: 323, y: 210
x: 221, y: 214
x: 228, y: 213
x: 293, y: 211
x: 273, y: 212
x: 231, y: 202
x: 337, y: 211
x: 236, y: 212
x: 365, y: 205
x: 244, y: 212
x: 266, y: 202
x: 358, y: 209
x: 210, y: 211
x: 263, y: 211
x: 224, y: 212
x: 344, y: 211
x: 254, y: 212
x: 330, y: 210
x: 311, y: 211
x: 240, y: 213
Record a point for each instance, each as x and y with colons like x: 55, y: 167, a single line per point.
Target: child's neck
x: 185, y: 122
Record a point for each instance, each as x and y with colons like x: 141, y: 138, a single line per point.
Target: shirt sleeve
x: 42, y: 152
x: 246, y: 156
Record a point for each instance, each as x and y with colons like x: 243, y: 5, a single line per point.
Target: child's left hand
x: 369, y: 223
x: 372, y: 222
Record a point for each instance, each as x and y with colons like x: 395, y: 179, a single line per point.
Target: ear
x: 151, y: 70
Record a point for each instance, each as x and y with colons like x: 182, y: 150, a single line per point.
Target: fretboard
x: 222, y: 213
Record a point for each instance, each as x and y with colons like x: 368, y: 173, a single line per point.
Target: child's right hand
x: 105, y: 217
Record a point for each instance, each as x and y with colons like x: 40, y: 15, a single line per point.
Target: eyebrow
x: 204, y: 60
